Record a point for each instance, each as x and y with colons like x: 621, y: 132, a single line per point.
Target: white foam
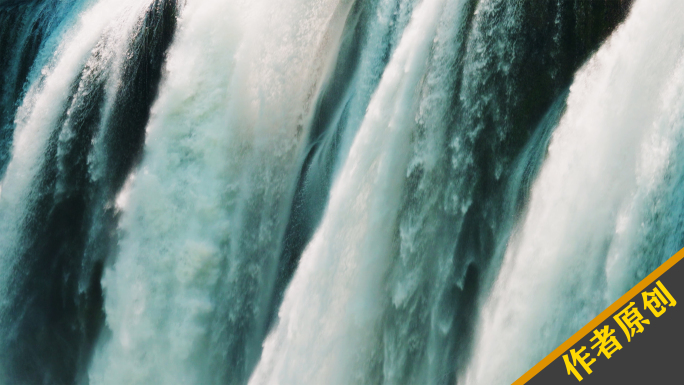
x: 554, y: 277
x: 203, y: 218
x: 328, y: 323
x: 43, y: 106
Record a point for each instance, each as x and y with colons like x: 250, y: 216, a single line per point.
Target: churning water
x: 327, y: 191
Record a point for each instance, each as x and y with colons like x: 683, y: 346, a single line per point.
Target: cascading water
x: 89, y: 99
x: 327, y: 191
x: 208, y: 205
x: 591, y: 229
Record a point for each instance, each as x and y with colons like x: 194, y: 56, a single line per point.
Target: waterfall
x: 338, y: 324
x: 28, y: 34
x: 203, y: 215
x: 327, y: 191
x: 54, y: 194
x: 591, y: 229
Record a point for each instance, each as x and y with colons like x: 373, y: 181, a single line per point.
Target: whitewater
x: 327, y: 191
